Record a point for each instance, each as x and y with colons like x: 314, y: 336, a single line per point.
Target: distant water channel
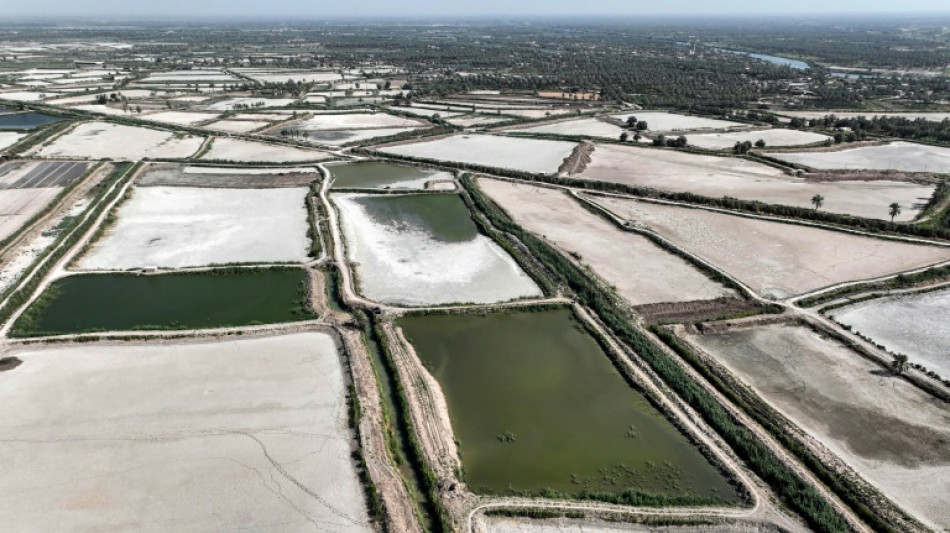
x: 25, y: 121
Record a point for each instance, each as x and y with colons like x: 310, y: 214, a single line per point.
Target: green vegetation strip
x: 902, y: 281
x: 793, y: 491
x: 402, y: 445
x: 107, y: 189
x: 190, y: 300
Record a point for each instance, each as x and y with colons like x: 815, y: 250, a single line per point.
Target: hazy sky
x: 316, y: 9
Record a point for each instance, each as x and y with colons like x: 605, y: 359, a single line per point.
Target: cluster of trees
x: 662, y: 140
x: 891, y: 126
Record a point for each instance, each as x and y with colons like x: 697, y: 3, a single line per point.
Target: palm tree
x: 895, y: 209
x: 899, y: 363
x: 817, y: 201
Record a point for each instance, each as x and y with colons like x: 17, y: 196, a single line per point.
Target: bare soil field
x: 660, y: 122
x: 227, y: 149
x: 420, y: 112
x: 917, y: 325
x: 19, y: 205
x: 339, y: 137
x: 180, y: 118
x: 589, y: 127
x: 904, y: 156
x: 642, y: 272
x: 180, y: 227
x: 229, y: 103
x: 100, y: 140
x: 209, y: 436
x: 469, y: 121
x: 775, y: 259
x: 236, y: 126
x: 886, y: 429
x: 345, y: 121
x: 773, y: 137
x: 728, y: 176
x: 529, y: 155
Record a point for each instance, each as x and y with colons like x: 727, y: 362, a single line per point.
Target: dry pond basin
x: 209, y: 436
x: 890, y: 432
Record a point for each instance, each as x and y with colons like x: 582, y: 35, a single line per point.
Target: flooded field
x: 425, y: 249
x: 558, y: 415
x: 886, y: 429
x: 382, y: 175
x: 117, y: 302
x: 917, y: 325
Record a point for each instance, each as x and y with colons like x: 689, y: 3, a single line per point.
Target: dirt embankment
x: 578, y: 160
x: 697, y: 310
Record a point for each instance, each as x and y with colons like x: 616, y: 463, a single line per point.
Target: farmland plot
x: 529, y: 155
x: 236, y: 126
x: 902, y: 156
x: 230, y: 103
x: 885, y: 428
x: 716, y: 177
x: 426, y: 250
x: 642, y: 272
x: 178, y: 227
x: 775, y: 259
x: 9, y: 138
x: 179, y: 117
x: 100, y: 140
x: 228, y: 435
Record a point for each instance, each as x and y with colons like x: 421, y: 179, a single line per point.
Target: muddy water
x: 109, y: 302
x: 377, y: 175
x: 536, y: 403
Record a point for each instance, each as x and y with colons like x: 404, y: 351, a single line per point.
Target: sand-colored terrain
x: 19, y: 205
x: 529, y: 155
x: 886, y: 429
x: 100, y: 140
x: 642, y: 272
x: 903, y: 156
x: 182, y: 226
x: 565, y: 525
x: 215, y: 436
x: 227, y: 149
x: 9, y: 138
x: 344, y: 121
x: 773, y: 137
x: 660, y: 122
x: 916, y: 325
x: 775, y: 259
x: 180, y: 118
x: 589, y: 127
x: 236, y: 126
x: 727, y: 176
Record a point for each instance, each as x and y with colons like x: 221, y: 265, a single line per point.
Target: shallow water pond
x: 380, y: 175
x: 117, y: 302
x: 536, y: 404
x: 26, y: 121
